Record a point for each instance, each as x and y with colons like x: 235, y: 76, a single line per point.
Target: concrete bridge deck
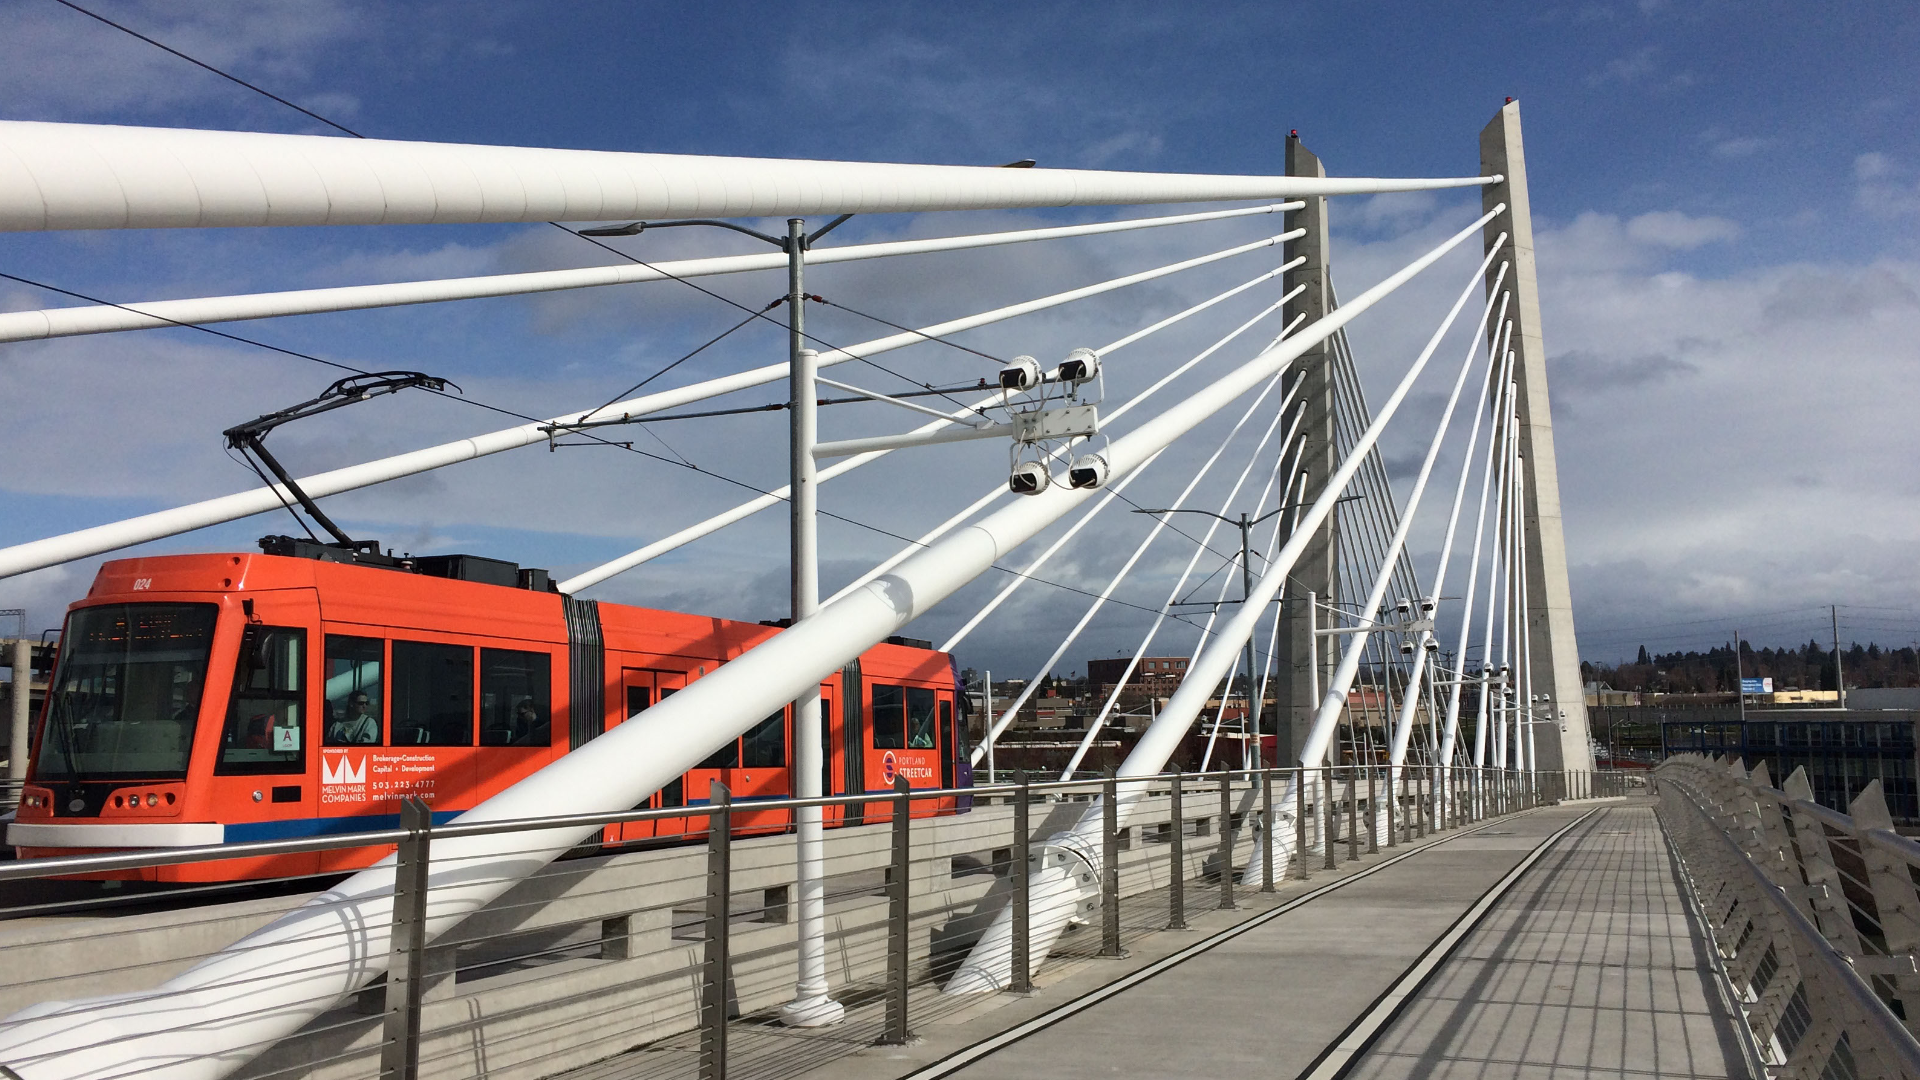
x: 1556, y: 943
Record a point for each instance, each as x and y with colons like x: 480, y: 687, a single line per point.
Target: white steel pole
x: 1053, y: 892
x: 150, y: 314
x: 1410, y: 700
x: 1476, y: 553
x: 811, y: 1006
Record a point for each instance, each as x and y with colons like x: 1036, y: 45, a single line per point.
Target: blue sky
x: 1728, y: 197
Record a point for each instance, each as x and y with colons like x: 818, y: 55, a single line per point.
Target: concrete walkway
x: 1593, y: 965
x: 1590, y: 963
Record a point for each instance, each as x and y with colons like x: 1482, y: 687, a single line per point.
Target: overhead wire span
x: 1000, y: 490
x: 595, y: 575
x: 1013, y: 710
x: 81, y: 543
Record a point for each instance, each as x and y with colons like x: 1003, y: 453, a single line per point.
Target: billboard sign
x: 1756, y: 686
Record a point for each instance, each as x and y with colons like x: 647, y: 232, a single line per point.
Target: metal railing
x: 1814, y: 915
x: 613, y: 954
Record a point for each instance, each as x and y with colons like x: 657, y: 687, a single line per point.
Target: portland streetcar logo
x: 889, y: 768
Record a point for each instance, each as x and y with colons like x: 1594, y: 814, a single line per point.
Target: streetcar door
x: 640, y: 690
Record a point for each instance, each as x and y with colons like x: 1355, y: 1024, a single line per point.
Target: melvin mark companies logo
x: 342, y: 777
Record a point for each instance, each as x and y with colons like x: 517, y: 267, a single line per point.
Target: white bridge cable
x: 96, y: 176
x: 1027, y: 572
x: 1336, y: 690
x: 1146, y: 641
x: 1279, y: 464
x: 1403, y: 727
x: 1295, y: 493
x: 1476, y: 553
x: 1490, y: 715
x: 81, y: 543
x: 201, y: 1021
x: 1053, y: 891
x: 154, y: 314
x: 781, y: 494
x: 1348, y: 371
x: 1013, y: 710
x: 1000, y: 490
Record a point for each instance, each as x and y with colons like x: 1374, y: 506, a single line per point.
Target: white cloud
x: 63, y: 65
x: 1883, y: 187
x: 1741, y: 147
x: 1673, y: 229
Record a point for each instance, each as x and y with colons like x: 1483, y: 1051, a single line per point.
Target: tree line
x: 1800, y: 667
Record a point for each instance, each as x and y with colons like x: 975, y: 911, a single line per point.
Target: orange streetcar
x: 205, y: 699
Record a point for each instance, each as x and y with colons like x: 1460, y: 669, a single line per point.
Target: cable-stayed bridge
x: 625, y: 842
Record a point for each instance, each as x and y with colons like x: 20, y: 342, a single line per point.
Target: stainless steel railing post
x: 407, y: 946
x: 1330, y: 815
x: 1226, y: 840
x: 1373, y: 811
x: 1299, y: 861
x: 1353, y: 815
x: 1266, y: 829
x: 1177, y: 876
x: 1110, y: 866
x: 898, y: 914
x: 1020, y: 875
x: 713, y: 974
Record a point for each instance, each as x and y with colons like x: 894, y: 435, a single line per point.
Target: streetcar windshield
x: 126, y: 692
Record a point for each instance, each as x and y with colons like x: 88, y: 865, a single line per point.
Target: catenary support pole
x: 811, y: 1006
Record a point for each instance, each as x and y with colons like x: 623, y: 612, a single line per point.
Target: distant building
x: 1155, y: 675
x: 1890, y: 697
x: 1599, y: 694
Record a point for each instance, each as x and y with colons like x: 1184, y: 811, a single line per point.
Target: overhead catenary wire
x: 1146, y: 641
x: 682, y: 537
x: 1013, y: 709
x: 81, y: 543
x: 999, y: 490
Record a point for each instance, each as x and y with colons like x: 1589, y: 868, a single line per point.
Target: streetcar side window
x: 765, y: 746
x: 265, y: 722
x: 727, y: 757
x: 889, y: 717
x: 920, y: 718
x: 355, y: 672
x: 515, y: 709
x: 432, y: 694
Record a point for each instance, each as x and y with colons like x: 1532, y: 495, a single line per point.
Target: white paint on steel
x: 995, y: 493
x: 1476, y: 553
x: 1403, y: 725
x: 754, y: 505
x: 1335, y: 700
x: 81, y: 543
x: 213, y: 1018
x: 88, y: 176
x: 1051, y: 891
x: 149, y: 314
